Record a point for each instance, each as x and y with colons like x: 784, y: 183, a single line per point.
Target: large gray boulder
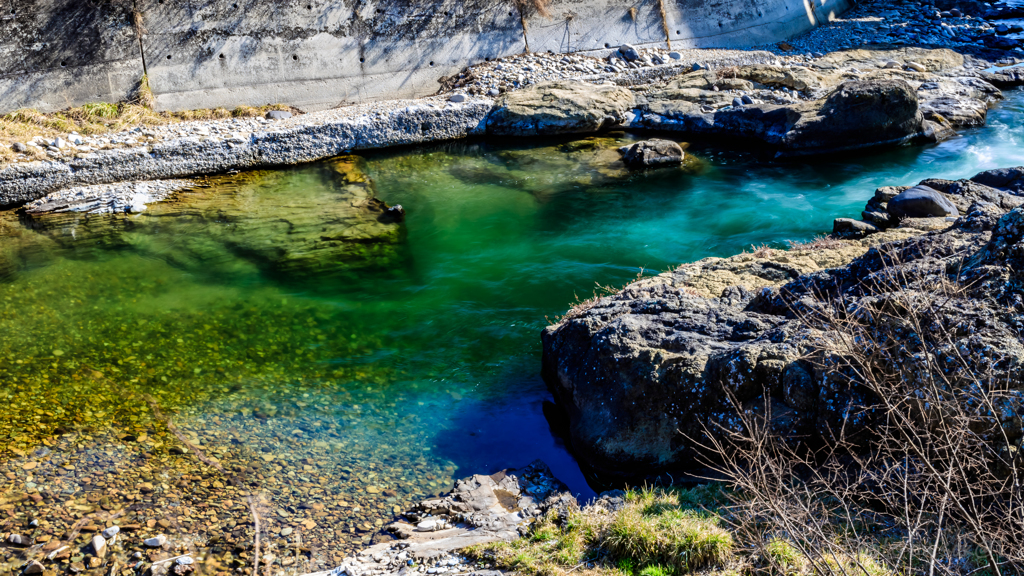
x: 649, y: 375
x: 858, y: 114
x: 921, y: 202
x: 560, y: 107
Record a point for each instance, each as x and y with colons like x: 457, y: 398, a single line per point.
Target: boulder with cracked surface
x: 560, y: 107
x: 479, y: 510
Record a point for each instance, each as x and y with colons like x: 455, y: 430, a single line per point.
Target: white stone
x: 99, y: 546
x: 155, y: 541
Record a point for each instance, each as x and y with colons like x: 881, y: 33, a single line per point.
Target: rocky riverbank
x: 916, y: 94
x: 646, y: 374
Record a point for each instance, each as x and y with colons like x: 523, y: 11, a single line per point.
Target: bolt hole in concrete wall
x: 63, y: 64
x: 295, y: 56
x: 431, y: 62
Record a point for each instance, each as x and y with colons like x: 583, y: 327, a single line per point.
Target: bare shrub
x: 729, y: 72
x: 924, y: 475
x: 818, y: 243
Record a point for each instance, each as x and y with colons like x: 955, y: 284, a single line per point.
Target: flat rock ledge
x: 647, y: 374
x: 479, y: 510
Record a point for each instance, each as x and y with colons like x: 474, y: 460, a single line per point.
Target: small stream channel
x: 341, y: 398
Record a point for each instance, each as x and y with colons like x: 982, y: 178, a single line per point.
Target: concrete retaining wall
x: 317, y: 54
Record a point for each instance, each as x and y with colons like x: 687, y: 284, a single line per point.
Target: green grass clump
x: 783, y: 556
x: 659, y: 532
x: 656, y: 528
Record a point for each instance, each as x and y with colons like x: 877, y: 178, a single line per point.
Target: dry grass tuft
x: 760, y: 251
x: 104, y: 118
x: 818, y: 243
x: 729, y: 72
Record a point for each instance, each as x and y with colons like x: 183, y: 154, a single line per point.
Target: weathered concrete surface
x: 318, y: 54
x: 737, y: 23
x: 56, y: 53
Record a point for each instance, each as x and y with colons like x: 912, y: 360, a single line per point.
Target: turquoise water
x: 398, y: 376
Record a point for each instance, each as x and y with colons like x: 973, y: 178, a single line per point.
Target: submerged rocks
x: 651, y: 153
x: 559, y: 108
x: 647, y: 376
x: 241, y: 222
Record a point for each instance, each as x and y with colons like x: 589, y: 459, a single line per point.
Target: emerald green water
x: 342, y: 397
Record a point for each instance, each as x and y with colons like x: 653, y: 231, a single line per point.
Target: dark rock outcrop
x: 857, y: 114
x: 647, y: 374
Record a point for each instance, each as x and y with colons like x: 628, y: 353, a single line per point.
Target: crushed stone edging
x: 314, y: 137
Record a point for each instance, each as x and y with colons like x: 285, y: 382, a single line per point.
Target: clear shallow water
x: 342, y: 397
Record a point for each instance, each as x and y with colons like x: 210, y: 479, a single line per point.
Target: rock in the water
x: 156, y: 541
x: 33, y: 567
x: 278, y: 115
x: 111, y: 531
x: 921, y: 202
x: 560, y: 108
x: 654, y: 152
x: 18, y: 540
x: 99, y: 546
